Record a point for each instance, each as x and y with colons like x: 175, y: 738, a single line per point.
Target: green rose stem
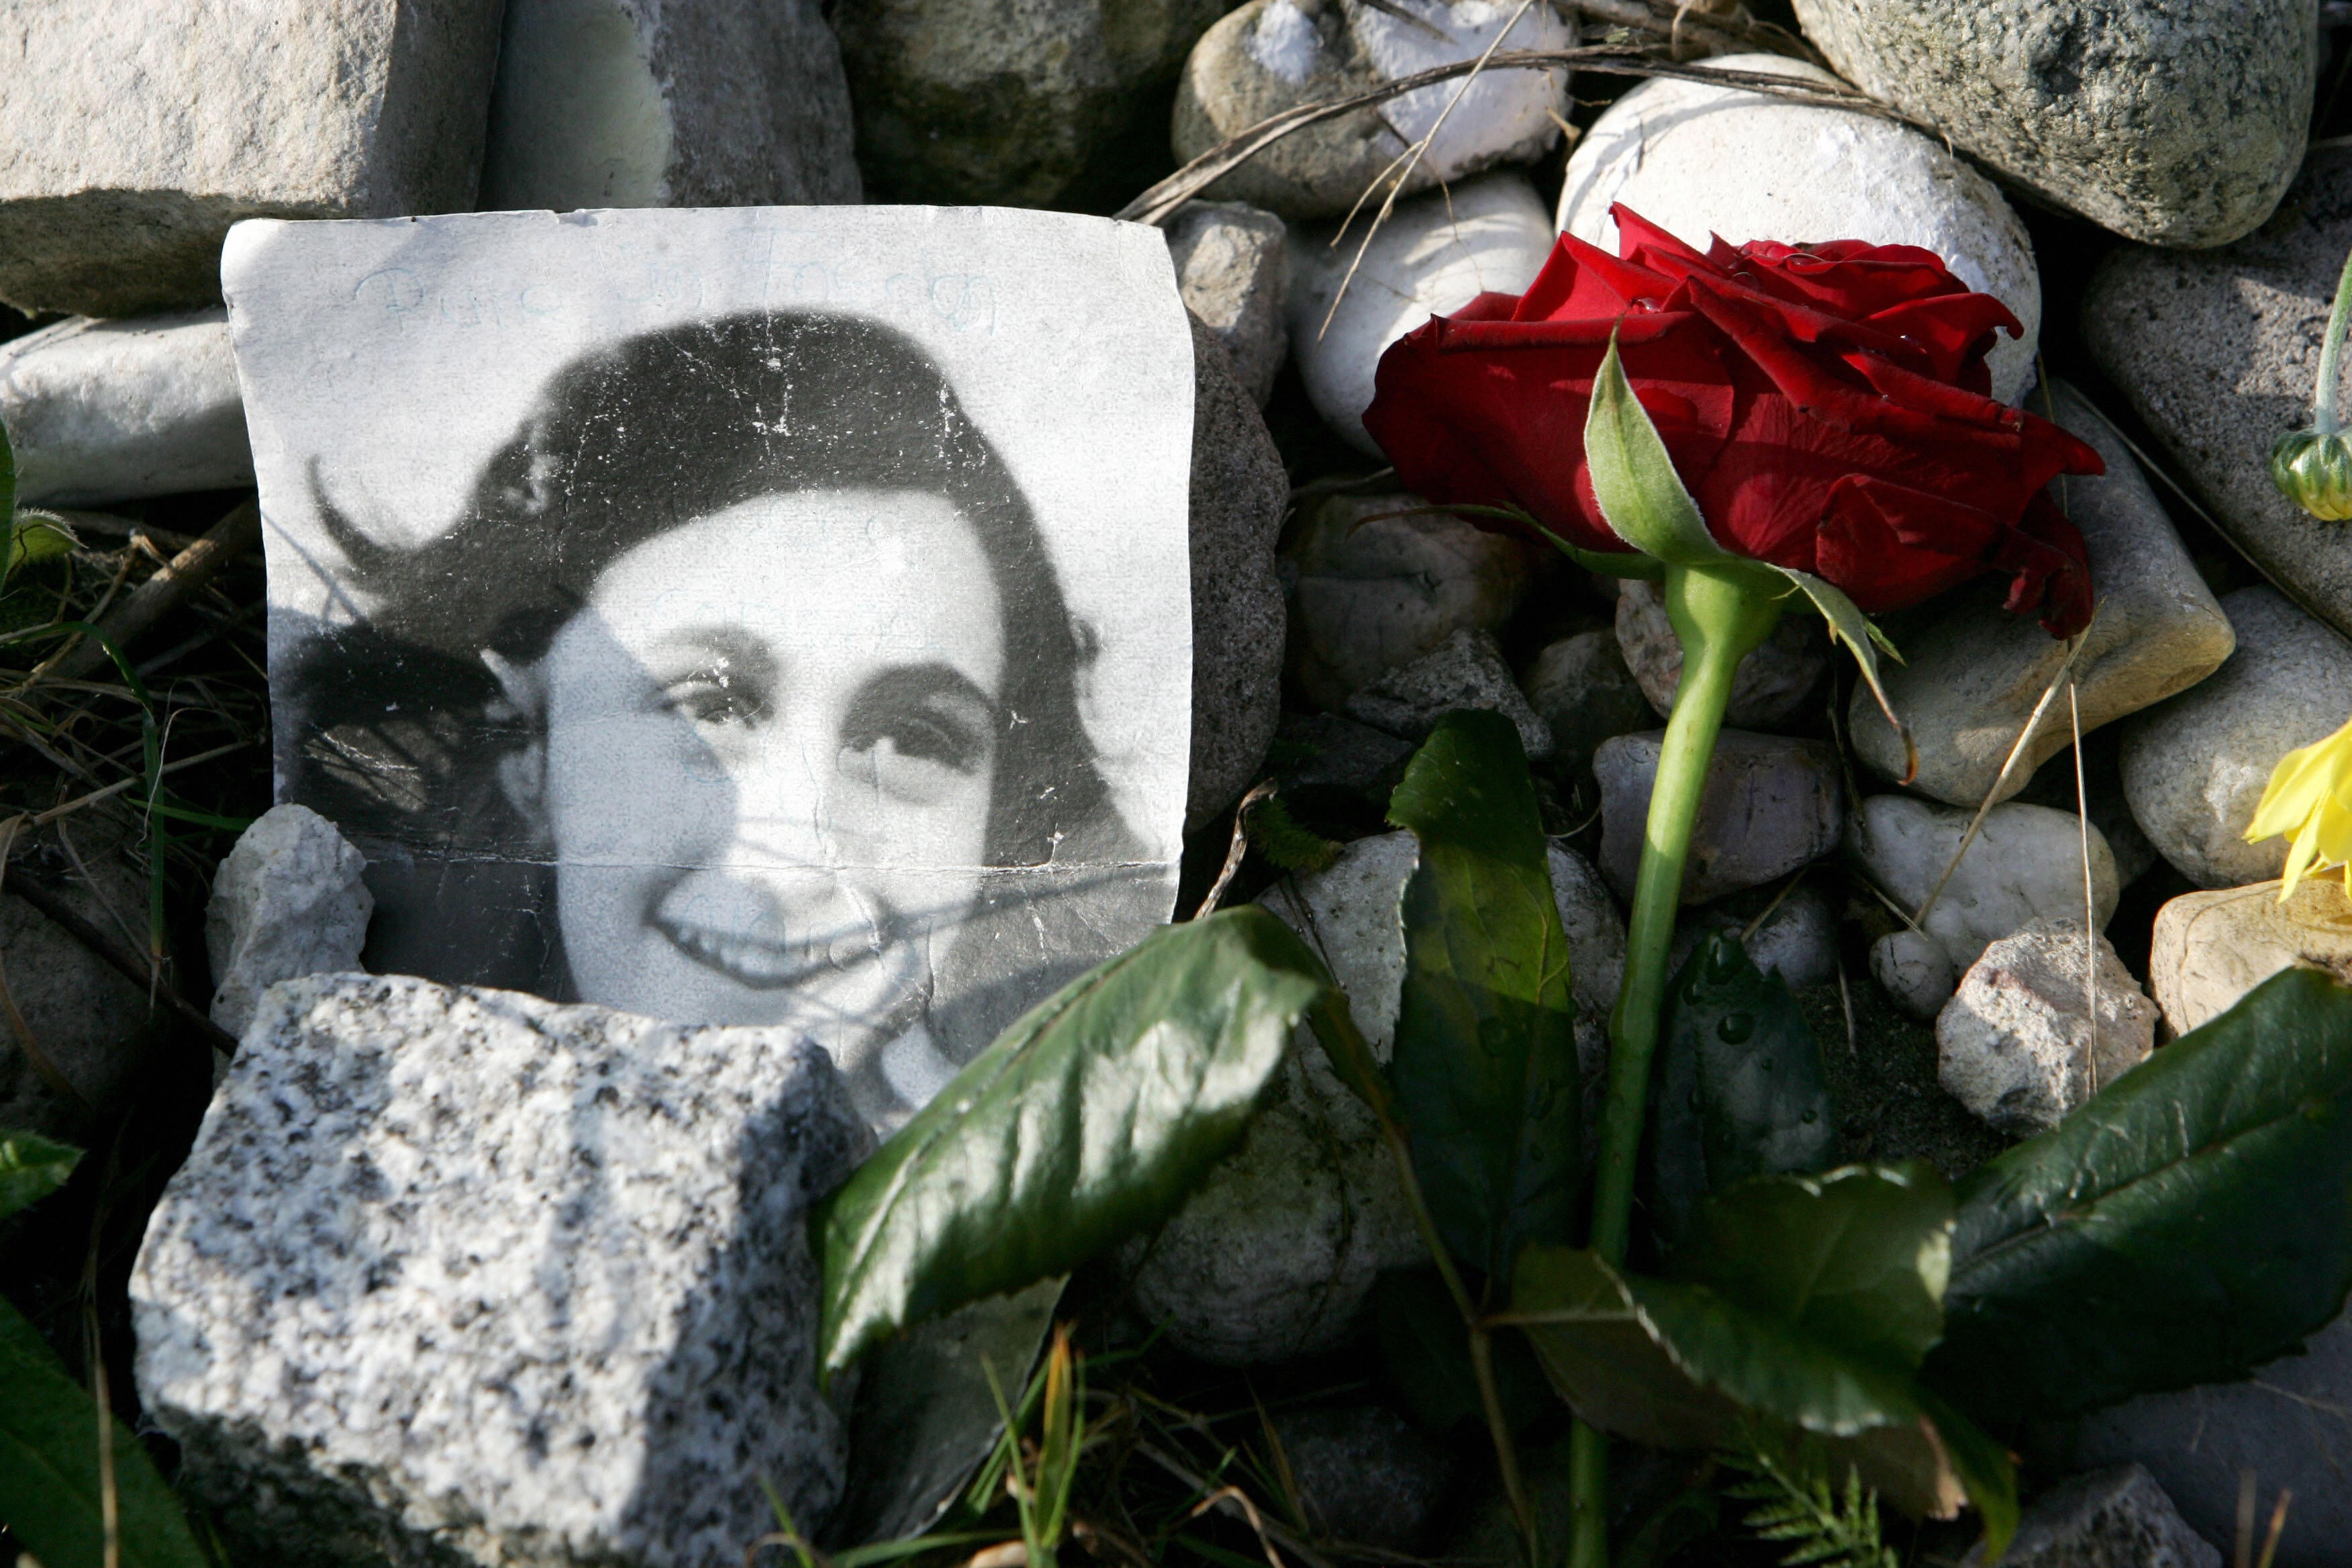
x: 1721, y: 613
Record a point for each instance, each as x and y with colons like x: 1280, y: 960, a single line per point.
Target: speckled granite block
x: 457, y: 1275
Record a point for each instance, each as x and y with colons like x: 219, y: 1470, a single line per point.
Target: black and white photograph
x: 758, y: 616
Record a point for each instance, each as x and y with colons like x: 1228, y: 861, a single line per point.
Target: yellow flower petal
x: 2302, y: 778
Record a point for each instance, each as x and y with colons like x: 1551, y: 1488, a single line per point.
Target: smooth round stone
x: 2195, y: 767
x: 1770, y: 805
x: 2026, y: 864
x: 2211, y: 948
x: 1700, y: 160
x: 1912, y: 968
x: 1270, y: 55
x: 1435, y: 254
x: 2171, y: 123
x: 1973, y: 675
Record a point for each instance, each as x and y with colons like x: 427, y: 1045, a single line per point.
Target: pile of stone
x: 1336, y: 620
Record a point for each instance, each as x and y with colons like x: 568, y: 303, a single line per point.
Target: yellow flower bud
x: 2314, y: 471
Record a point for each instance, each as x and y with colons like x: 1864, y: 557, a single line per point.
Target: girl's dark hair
x: 393, y: 728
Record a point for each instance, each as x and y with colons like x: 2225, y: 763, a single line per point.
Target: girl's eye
x: 923, y: 717
x: 706, y: 698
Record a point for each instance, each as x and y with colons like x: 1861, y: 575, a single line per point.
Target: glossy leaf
x: 49, y: 1477
x: 1086, y: 1121
x: 1804, y: 1301
x: 2189, y: 1223
x: 33, y: 537
x: 1739, y: 1092
x: 1485, y: 1066
x: 31, y: 1168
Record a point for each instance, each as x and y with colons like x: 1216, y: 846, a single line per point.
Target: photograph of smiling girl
x: 743, y: 689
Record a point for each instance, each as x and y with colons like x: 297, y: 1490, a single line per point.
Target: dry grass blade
x: 2090, y: 900
x: 2009, y: 766
x: 1249, y: 1511
x: 1237, y: 850
x: 1158, y: 204
x: 1411, y: 159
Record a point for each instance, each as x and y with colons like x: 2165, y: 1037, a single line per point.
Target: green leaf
x: 49, y: 1481
x: 1088, y: 1119
x: 2189, y: 1223
x: 1485, y: 1066
x: 1802, y: 1302
x: 1849, y: 625
x: 1740, y: 1090
x: 1633, y: 477
x: 31, y: 1168
x: 1857, y: 1259
x: 34, y: 537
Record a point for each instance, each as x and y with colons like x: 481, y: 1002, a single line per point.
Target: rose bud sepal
x: 2313, y: 466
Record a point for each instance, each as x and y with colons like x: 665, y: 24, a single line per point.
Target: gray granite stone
x: 1581, y: 687
x: 1275, y: 1252
x: 2195, y: 767
x: 1273, y: 55
x: 2114, y: 1518
x: 1972, y: 676
x: 339, y: 108
x: 287, y: 901
x: 1768, y: 689
x: 460, y: 1276
x: 2034, y: 1031
x: 1232, y: 267
x: 2026, y: 864
x: 1465, y: 670
x: 2290, y: 1424
x: 2211, y: 948
x: 100, y: 412
x: 2172, y: 122
x: 667, y: 103
x: 1059, y: 103
x: 1770, y: 804
x: 1239, y: 494
x: 1376, y: 582
x: 2217, y: 351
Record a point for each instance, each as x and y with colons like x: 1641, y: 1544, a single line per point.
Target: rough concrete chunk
x: 667, y: 103
x: 1232, y: 267
x: 2115, y: 1518
x: 2217, y: 351
x: 1702, y: 160
x: 2195, y: 767
x: 133, y: 133
x: 1270, y: 55
x: 2172, y: 122
x: 1974, y: 674
x: 1465, y: 670
x: 1770, y: 804
x: 465, y: 1275
x: 112, y: 411
x: 2211, y: 948
x: 2034, y: 1031
x: 1239, y: 493
x: 287, y: 901
x: 1379, y: 581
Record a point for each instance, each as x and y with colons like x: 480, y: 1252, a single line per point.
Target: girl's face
x: 770, y: 748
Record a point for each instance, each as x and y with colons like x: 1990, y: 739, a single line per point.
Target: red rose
x: 1827, y: 406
